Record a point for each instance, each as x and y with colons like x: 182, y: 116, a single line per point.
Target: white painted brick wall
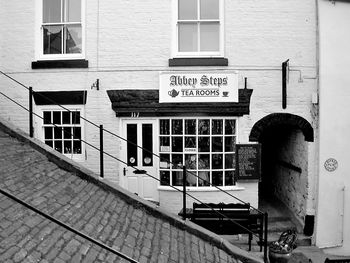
x: 129, y: 42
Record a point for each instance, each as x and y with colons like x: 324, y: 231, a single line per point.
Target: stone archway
x: 285, y: 160
x: 281, y: 119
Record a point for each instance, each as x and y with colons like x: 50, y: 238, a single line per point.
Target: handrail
x: 136, y: 169
x: 158, y: 156
x: 119, y: 137
x: 77, y: 232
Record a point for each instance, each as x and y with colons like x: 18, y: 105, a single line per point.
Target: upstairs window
x: 199, y: 28
x: 61, y: 28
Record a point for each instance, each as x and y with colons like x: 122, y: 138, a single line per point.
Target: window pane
x: 164, y: 143
x: 67, y: 146
x: 216, y: 126
x: 210, y: 37
x: 66, y: 117
x: 75, y: 117
x: 48, y: 132
x: 188, y: 37
x: 177, y: 144
x: 203, y: 161
x: 230, y: 127
x: 187, y: 9
x: 67, y: 132
x: 77, y: 147
x: 190, y: 142
x: 58, y: 132
x: 191, y: 178
x: 217, y: 144
x: 177, y: 178
x: 217, y: 161
x: 76, y: 133
x: 209, y: 9
x: 191, y: 161
x: 204, y: 179
x: 56, y: 117
x: 51, y: 11
x: 49, y: 143
x: 203, y: 144
x: 176, y: 126
x: 58, y: 146
x: 47, y: 117
x: 52, y: 39
x: 229, y: 178
x: 230, y: 161
x: 74, y: 11
x: 164, y: 177
x: 164, y: 161
x: 131, y: 130
x: 203, y: 126
x: 147, y: 145
x: 73, y: 39
x: 164, y: 126
x: 176, y: 161
x: 217, y: 178
x: 190, y: 126
x: 230, y: 143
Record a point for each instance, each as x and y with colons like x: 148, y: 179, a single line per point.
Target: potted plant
x: 280, y: 251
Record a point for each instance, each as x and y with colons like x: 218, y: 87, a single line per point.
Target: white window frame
x: 40, y: 126
x: 197, y: 188
x: 39, y: 54
x: 175, y: 47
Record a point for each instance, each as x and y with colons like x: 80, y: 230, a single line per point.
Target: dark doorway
x: 284, y: 161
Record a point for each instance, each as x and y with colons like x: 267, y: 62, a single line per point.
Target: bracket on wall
x: 285, y: 79
x: 96, y: 84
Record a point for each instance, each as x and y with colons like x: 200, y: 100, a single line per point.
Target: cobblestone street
x: 27, y: 237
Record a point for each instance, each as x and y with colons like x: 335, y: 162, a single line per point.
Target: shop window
x: 199, y: 28
x: 206, y: 146
x: 62, y: 130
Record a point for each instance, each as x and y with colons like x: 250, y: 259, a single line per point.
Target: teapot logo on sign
x: 209, y: 86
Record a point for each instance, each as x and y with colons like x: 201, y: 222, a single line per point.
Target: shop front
x: 192, y: 121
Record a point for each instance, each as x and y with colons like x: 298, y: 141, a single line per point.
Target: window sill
x: 71, y: 63
x: 201, y: 189
x: 177, y: 62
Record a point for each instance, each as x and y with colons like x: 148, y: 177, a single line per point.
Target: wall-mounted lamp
x: 96, y: 84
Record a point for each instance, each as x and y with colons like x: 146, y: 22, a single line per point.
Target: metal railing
x: 102, y: 153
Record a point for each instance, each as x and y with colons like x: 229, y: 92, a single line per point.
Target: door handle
x: 137, y: 171
x: 124, y: 171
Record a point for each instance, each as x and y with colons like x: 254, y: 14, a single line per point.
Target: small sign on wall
x: 180, y: 87
x: 248, y: 161
x: 331, y: 164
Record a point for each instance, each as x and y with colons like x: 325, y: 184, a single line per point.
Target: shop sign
x: 180, y: 87
x: 248, y: 161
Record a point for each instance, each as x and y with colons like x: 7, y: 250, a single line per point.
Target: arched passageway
x: 284, y: 138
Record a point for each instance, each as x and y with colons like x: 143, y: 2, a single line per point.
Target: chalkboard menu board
x: 248, y: 161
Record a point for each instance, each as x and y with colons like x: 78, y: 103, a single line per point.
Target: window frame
x: 39, y: 54
x: 210, y: 153
x: 207, y: 54
x: 40, y: 127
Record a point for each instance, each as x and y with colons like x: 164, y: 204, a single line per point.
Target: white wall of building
x: 333, y: 213
x: 129, y: 42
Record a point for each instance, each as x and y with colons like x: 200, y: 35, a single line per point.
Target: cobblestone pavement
x: 27, y: 237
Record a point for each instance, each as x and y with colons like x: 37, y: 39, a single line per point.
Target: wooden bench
x: 227, y: 219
